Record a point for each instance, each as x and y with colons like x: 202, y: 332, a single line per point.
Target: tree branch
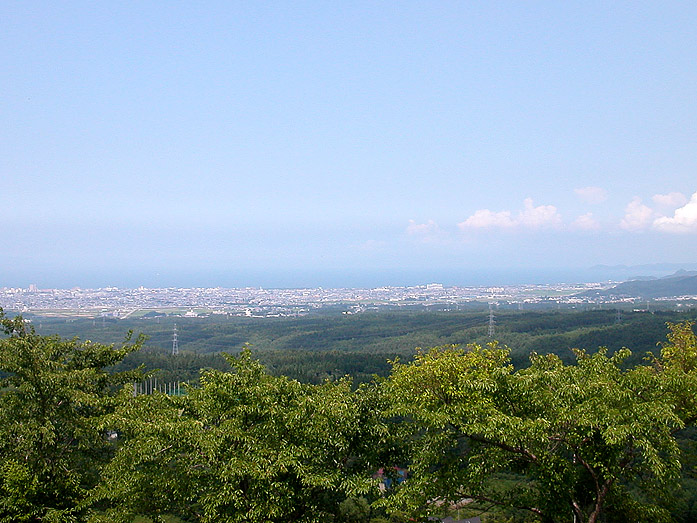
x: 600, y: 501
x: 503, y: 446
x: 534, y: 510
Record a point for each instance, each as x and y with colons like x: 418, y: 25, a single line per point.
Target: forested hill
x: 313, y: 348
x: 682, y: 283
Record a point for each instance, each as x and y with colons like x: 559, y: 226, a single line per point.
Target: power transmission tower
x: 618, y: 317
x: 175, y: 341
x: 491, y: 321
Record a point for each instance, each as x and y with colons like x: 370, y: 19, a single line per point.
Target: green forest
x: 368, y: 418
x: 331, y: 345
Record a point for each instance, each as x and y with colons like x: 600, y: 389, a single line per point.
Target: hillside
x: 682, y: 283
x: 311, y: 349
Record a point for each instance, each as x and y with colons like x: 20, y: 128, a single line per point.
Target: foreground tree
x: 244, y: 446
x: 52, y: 401
x: 560, y: 442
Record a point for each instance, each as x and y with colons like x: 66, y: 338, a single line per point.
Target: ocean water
x: 337, y: 278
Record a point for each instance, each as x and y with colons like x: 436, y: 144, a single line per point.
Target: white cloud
x: 586, y: 222
x: 541, y: 216
x: 672, y: 200
x: 422, y: 229
x: 531, y: 217
x: 592, y: 195
x: 684, y: 219
x: 637, y: 215
x: 485, y: 218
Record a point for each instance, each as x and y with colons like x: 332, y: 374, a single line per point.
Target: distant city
x: 260, y: 302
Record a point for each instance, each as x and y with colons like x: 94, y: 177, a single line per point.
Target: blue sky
x: 220, y: 143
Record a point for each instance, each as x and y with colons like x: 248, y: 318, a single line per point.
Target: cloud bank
x: 684, y: 220
x: 637, y: 216
x: 670, y: 213
x: 530, y: 217
x: 640, y: 217
x: 485, y: 218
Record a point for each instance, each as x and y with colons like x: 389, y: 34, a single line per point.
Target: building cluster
x: 255, y: 301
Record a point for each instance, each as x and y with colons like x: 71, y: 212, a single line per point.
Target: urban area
x: 255, y: 301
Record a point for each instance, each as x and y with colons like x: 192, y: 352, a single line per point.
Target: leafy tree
x: 53, y: 397
x: 584, y: 441
x: 354, y: 510
x: 244, y: 446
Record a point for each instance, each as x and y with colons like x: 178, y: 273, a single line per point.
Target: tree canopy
x: 591, y: 440
x: 244, y: 446
x: 52, y: 402
x: 576, y: 441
